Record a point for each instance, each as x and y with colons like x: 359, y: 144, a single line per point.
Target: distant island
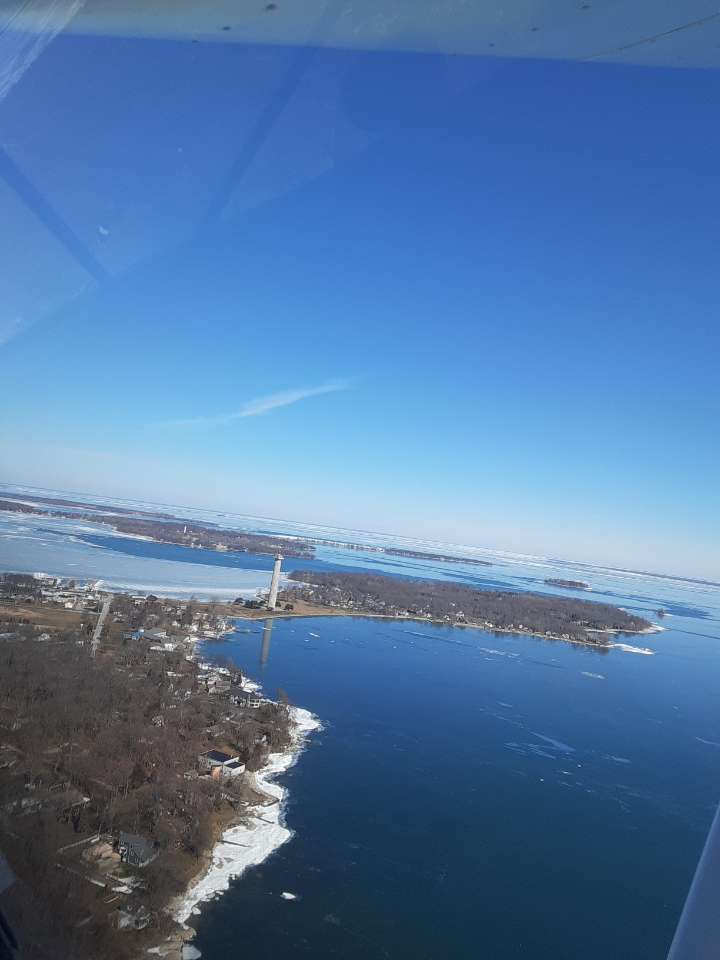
x: 557, y: 618
x: 572, y: 584
x: 400, y: 552
x: 165, y: 528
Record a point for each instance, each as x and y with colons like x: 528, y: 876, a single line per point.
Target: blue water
x: 471, y: 795
x: 481, y: 795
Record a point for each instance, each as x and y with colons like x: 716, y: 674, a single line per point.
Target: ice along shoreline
x: 261, y: 832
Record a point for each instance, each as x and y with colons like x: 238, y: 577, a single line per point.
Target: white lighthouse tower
x: 272, y: 599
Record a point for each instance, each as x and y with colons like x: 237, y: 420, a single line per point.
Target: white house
x: 224, y: 763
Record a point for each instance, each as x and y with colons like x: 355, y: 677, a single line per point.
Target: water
x: 478, y: 795
x: 76, y: 548
x: 471, y: 795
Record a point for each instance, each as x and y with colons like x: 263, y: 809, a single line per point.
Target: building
x: 248, y: 698
x: 272, y: 598
x: 219, y: 764
x: 136, y: 851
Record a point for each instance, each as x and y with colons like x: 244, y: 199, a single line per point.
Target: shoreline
x: 307, y: 610
x: 261, y: 831
x: 251, y: 840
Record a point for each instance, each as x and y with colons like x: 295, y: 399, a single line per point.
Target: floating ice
x: 288, y: 896
x: 534, y: 748
x: 630, y: 649
x: 558, y: 744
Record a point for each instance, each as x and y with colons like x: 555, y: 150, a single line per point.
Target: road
x: 100, y: 624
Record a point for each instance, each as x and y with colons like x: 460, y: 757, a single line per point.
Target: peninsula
x: 124, y: 754
x: 440, y: 601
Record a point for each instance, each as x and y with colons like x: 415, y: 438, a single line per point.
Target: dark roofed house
x: 213, y: 758
x: 137, y: 851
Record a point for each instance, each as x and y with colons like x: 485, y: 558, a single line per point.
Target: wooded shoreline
x: 139, y: 737
x: 450, y: 603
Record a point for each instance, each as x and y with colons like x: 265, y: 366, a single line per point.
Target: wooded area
x: 94, y: 746
x: 565, y: 618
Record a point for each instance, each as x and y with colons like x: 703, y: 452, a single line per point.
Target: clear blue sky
x: 463, y: 299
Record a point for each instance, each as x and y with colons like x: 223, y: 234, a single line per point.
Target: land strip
x: 447, y: 602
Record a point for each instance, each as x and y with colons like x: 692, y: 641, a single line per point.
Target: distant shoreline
x: 166, y: 528
x: 304, y: 610
x: 450, y: 603
x: 570, y: 584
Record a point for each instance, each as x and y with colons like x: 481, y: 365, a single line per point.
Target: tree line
x: 446, y: 601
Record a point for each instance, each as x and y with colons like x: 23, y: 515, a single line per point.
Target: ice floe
x: 628, y: 648
x: 558, y: 744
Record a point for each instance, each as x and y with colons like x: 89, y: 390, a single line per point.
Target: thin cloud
x: 260, y: 405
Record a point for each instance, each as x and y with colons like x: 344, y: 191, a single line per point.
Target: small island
x: 571, y: 584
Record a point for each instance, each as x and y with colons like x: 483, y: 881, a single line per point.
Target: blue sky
x: 447, y: 297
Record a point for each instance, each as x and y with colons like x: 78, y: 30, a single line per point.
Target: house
x: 219, y: 764
x: 248, y: 698
x: 232, y: 768
x: 132, y: 916
x: 217, y: 684
x: 136, y: 851
x: 156, y: 633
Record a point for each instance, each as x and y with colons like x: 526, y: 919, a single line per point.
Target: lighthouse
x: 272, y: 599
